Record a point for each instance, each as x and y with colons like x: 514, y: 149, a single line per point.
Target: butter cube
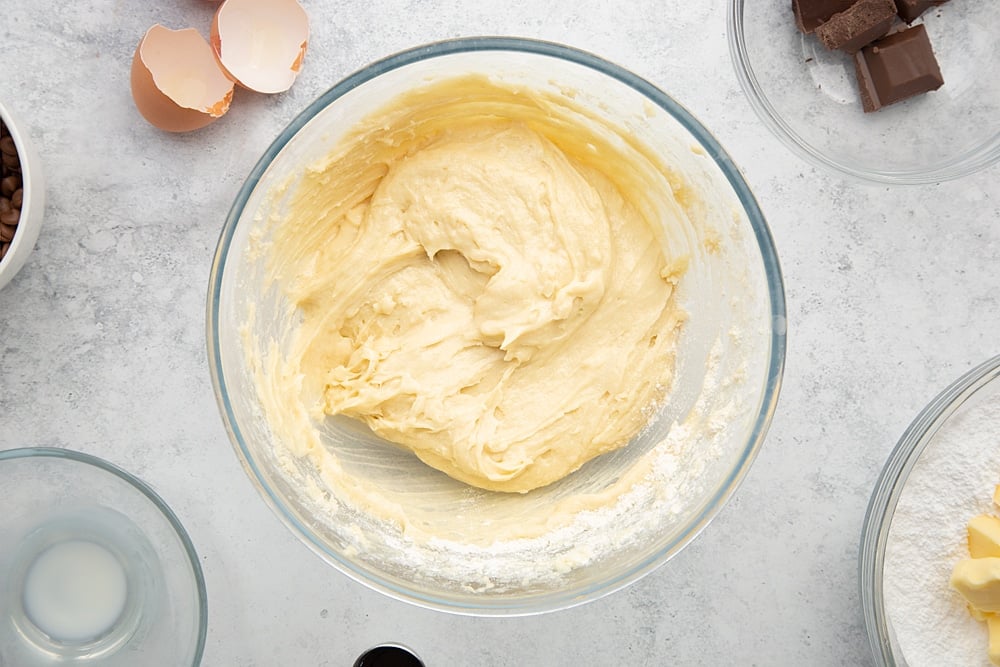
x: 984, y: 536
x: 978, y: 580
x: 993, y: 624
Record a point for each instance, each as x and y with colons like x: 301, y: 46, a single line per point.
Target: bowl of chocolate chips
x: 22, y: 195
x: 890, y: 91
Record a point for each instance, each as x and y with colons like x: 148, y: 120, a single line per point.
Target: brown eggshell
x: 166, y: 65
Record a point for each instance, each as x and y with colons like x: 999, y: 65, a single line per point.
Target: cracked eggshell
x: 261, y: 43
x: 177, y: 84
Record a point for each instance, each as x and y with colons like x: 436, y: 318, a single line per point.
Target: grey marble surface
x: 892, y: 293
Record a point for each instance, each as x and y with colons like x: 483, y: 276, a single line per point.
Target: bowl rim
x: 982, y: 157
x: 885, y: 496
x: 157, y: 501
x: 33, y: 183
x: 768, y: 257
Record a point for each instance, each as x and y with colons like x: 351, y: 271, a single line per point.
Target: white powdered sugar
x: 952, y: 482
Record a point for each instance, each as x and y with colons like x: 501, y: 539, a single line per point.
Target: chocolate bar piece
x: 810, y: 14
x: 896, y: 67
x: 909, y: 10
x: 862, y: 23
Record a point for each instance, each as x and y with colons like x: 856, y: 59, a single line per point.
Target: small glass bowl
x: 965, y: 399
x: 95, y: 569
x: 808, y: 97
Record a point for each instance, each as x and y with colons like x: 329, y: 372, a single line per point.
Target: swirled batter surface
x: 477, y: 284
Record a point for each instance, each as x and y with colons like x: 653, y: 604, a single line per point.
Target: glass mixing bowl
x: 95, y: 569
x: 932, y: 461
x: 697, y: 447
x: 807, y: 96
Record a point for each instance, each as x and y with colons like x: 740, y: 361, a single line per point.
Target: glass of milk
x: 94, y: 567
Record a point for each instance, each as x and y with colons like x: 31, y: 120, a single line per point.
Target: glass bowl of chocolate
x: 891, y: 91
x: 22, y: 195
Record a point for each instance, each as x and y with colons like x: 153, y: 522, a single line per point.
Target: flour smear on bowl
x: 952, y: 482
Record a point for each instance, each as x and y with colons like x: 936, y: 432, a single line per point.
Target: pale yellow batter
x: 477, y: 283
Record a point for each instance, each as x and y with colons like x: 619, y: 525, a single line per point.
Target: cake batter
x: 479, y: 283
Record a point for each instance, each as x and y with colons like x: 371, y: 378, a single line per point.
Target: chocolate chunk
x: 896, y: 67
x: 864, y: 22
x: 810, y: 14
x: 8, y: 184
x: 909, y: 10
x: 7, y: 146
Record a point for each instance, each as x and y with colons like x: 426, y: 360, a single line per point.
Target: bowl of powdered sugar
x: 944, y: 472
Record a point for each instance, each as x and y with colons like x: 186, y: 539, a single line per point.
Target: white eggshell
x: 261, y: 43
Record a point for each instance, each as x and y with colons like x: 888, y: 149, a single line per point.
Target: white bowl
x: 33, y: 206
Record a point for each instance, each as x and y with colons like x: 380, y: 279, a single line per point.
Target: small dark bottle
x: 388, y: 655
